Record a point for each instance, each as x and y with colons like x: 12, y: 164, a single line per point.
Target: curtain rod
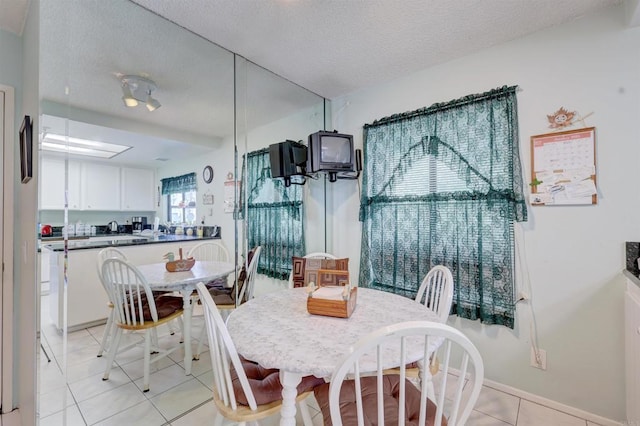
x: 441, y: 106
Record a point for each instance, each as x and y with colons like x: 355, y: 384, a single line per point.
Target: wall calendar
x: 563, y: 168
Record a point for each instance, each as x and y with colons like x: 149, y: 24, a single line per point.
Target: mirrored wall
x: 200, y: 109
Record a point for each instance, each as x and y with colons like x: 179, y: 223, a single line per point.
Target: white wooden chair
x: 227, y: 301
x: 393, y: 398
x: 209, y: 250
x: 315, y: 255
x: 136, y: 309
x: 436, y: 291
x: 224, y: 358
x: 103, y: 255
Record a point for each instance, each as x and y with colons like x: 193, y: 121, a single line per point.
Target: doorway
x: 7, y: 115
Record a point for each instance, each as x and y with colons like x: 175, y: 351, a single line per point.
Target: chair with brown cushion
x: 104, y: 254
x: 213, y: 251
x: 392, y: 399
x: 305, y: 269
x: 225, y: 299
x: 242, y: 390
x: 137, y: 309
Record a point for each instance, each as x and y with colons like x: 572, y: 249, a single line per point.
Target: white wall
x: 25, y: 210
x: 574, y: 255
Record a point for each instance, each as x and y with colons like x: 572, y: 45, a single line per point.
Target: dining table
x: 276, y: 331
x: 160, y: 279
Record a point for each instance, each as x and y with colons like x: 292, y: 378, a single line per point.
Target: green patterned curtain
x: 182, y: 183
x: 274, y: 216
x: 443, y: 185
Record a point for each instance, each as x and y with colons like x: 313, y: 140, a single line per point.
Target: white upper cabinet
x: 137, y: 189
x: 100, y: 187
x: 52, y: 184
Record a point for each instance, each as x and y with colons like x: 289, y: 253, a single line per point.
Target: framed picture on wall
x: 26, y: 149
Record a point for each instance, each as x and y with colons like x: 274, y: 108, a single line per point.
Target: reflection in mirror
x: 86, y: 50
x: 189, y: 121
x: 270, y: 110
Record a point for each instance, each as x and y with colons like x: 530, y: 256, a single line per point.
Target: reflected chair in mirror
x: 315, y: 255
x: 225, y: 300
x: 211, y: 251
x: 351, y: 396
x: 137, y: 309
x: 104, y: 254
x: 242, y: 390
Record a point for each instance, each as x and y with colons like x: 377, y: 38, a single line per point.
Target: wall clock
x: 207, y: 174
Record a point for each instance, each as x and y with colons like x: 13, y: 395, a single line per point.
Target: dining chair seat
x: 265, y: 383
x: 240, y: 385
x: 391, y: 399
x: 137, y: 309
x: 355, y: 396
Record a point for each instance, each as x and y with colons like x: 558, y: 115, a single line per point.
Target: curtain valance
x: 184, y: 183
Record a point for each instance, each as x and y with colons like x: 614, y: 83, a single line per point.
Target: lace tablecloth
x: 276, y: 331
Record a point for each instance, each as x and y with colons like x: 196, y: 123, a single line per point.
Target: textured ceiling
x: 333, y: 47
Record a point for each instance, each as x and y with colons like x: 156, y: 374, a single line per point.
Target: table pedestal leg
x: 289, y: 383
x: 186, y: 320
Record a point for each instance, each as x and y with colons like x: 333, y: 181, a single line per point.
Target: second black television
x: 330, y: 152
x: 288, y: 158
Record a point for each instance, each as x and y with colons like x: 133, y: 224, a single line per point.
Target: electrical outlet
x: 539, y: 361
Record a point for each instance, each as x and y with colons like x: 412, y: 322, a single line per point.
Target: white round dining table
x: 276, y: 331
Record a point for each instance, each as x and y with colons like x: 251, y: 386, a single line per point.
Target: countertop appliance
x: 113, y: 227
x: 138, y: 223
x: 46, y: 231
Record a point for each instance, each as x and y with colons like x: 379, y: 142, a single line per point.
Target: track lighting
x: 136, y: 89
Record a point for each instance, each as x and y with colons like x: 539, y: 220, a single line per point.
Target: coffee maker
x: 138, y: 223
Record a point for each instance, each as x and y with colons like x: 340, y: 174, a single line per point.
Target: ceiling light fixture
x: 137, y: 89
x: 71, y: 145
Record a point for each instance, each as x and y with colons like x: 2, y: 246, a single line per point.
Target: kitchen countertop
x: 136, y: 240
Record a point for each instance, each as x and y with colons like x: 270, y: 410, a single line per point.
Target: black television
x: 288, y: 158
x: 330, y: 152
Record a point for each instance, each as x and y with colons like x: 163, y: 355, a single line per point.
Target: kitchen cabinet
x: 86, y: 298
x: 100, y: 187
x: 137, y: 189
x: 52, y: 184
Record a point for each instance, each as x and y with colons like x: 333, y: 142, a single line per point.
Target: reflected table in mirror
x: 276, y: 331
x: 160, y: 279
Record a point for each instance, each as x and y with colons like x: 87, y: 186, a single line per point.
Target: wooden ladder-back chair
x: 242, y: 390
x: 137, y: 309
x: 104, y: 254
x: 393, y: 399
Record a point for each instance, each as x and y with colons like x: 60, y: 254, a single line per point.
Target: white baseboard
x: 551, y: 404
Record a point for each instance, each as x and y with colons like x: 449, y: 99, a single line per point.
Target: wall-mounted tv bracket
x: 333, y: 176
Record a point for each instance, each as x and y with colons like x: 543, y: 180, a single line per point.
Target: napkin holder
x: 332, y: 308
x: 180, y: 265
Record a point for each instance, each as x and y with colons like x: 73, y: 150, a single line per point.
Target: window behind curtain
x: 443, y: 185
x: 274, y: 215
x: 181, y: 197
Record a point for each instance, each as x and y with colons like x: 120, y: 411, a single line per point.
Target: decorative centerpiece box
x: 179, y: 265
x: 337, y: 301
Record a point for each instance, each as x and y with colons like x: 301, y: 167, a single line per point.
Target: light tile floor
x: 180, y: 400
